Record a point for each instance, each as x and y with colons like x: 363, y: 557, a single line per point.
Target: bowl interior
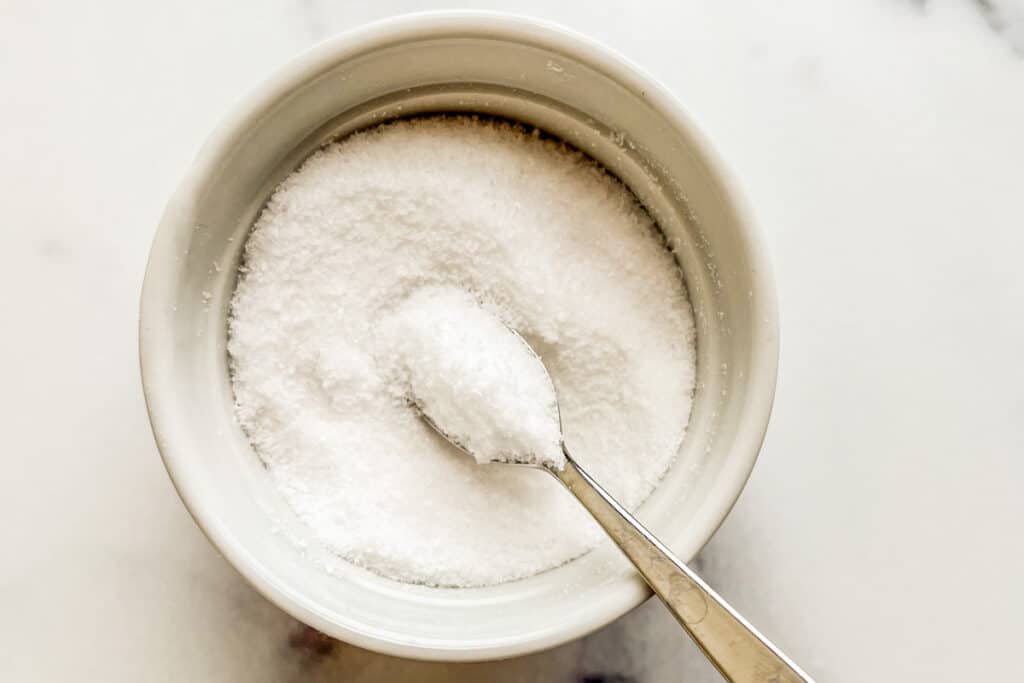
x: 516, y: 69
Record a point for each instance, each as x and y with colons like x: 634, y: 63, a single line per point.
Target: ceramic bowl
x: 517, y: 68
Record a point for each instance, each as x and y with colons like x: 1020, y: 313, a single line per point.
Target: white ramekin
x: 494, y: 64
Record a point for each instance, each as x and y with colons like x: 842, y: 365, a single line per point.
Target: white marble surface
x: 882, y: 145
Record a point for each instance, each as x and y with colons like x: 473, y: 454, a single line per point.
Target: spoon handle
x: 738, y: 651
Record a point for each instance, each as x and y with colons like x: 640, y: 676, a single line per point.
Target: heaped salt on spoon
x: 481, y: 386
x: 475, y: 380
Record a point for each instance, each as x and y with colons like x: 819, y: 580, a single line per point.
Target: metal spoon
x: 737, y: 650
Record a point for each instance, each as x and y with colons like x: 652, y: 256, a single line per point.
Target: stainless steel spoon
x: 737, y: 650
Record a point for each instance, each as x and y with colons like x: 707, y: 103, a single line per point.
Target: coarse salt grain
x: 551, y: 245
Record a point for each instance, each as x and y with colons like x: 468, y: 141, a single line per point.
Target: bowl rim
x: 155, y: 349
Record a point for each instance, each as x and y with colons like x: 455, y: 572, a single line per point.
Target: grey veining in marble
x: 1005, y: 17
x: 880, y: 143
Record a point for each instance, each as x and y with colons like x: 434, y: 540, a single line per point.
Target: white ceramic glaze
x: 528, y: 71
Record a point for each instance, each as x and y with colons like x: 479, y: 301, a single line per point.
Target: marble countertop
x: 882, y: 146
